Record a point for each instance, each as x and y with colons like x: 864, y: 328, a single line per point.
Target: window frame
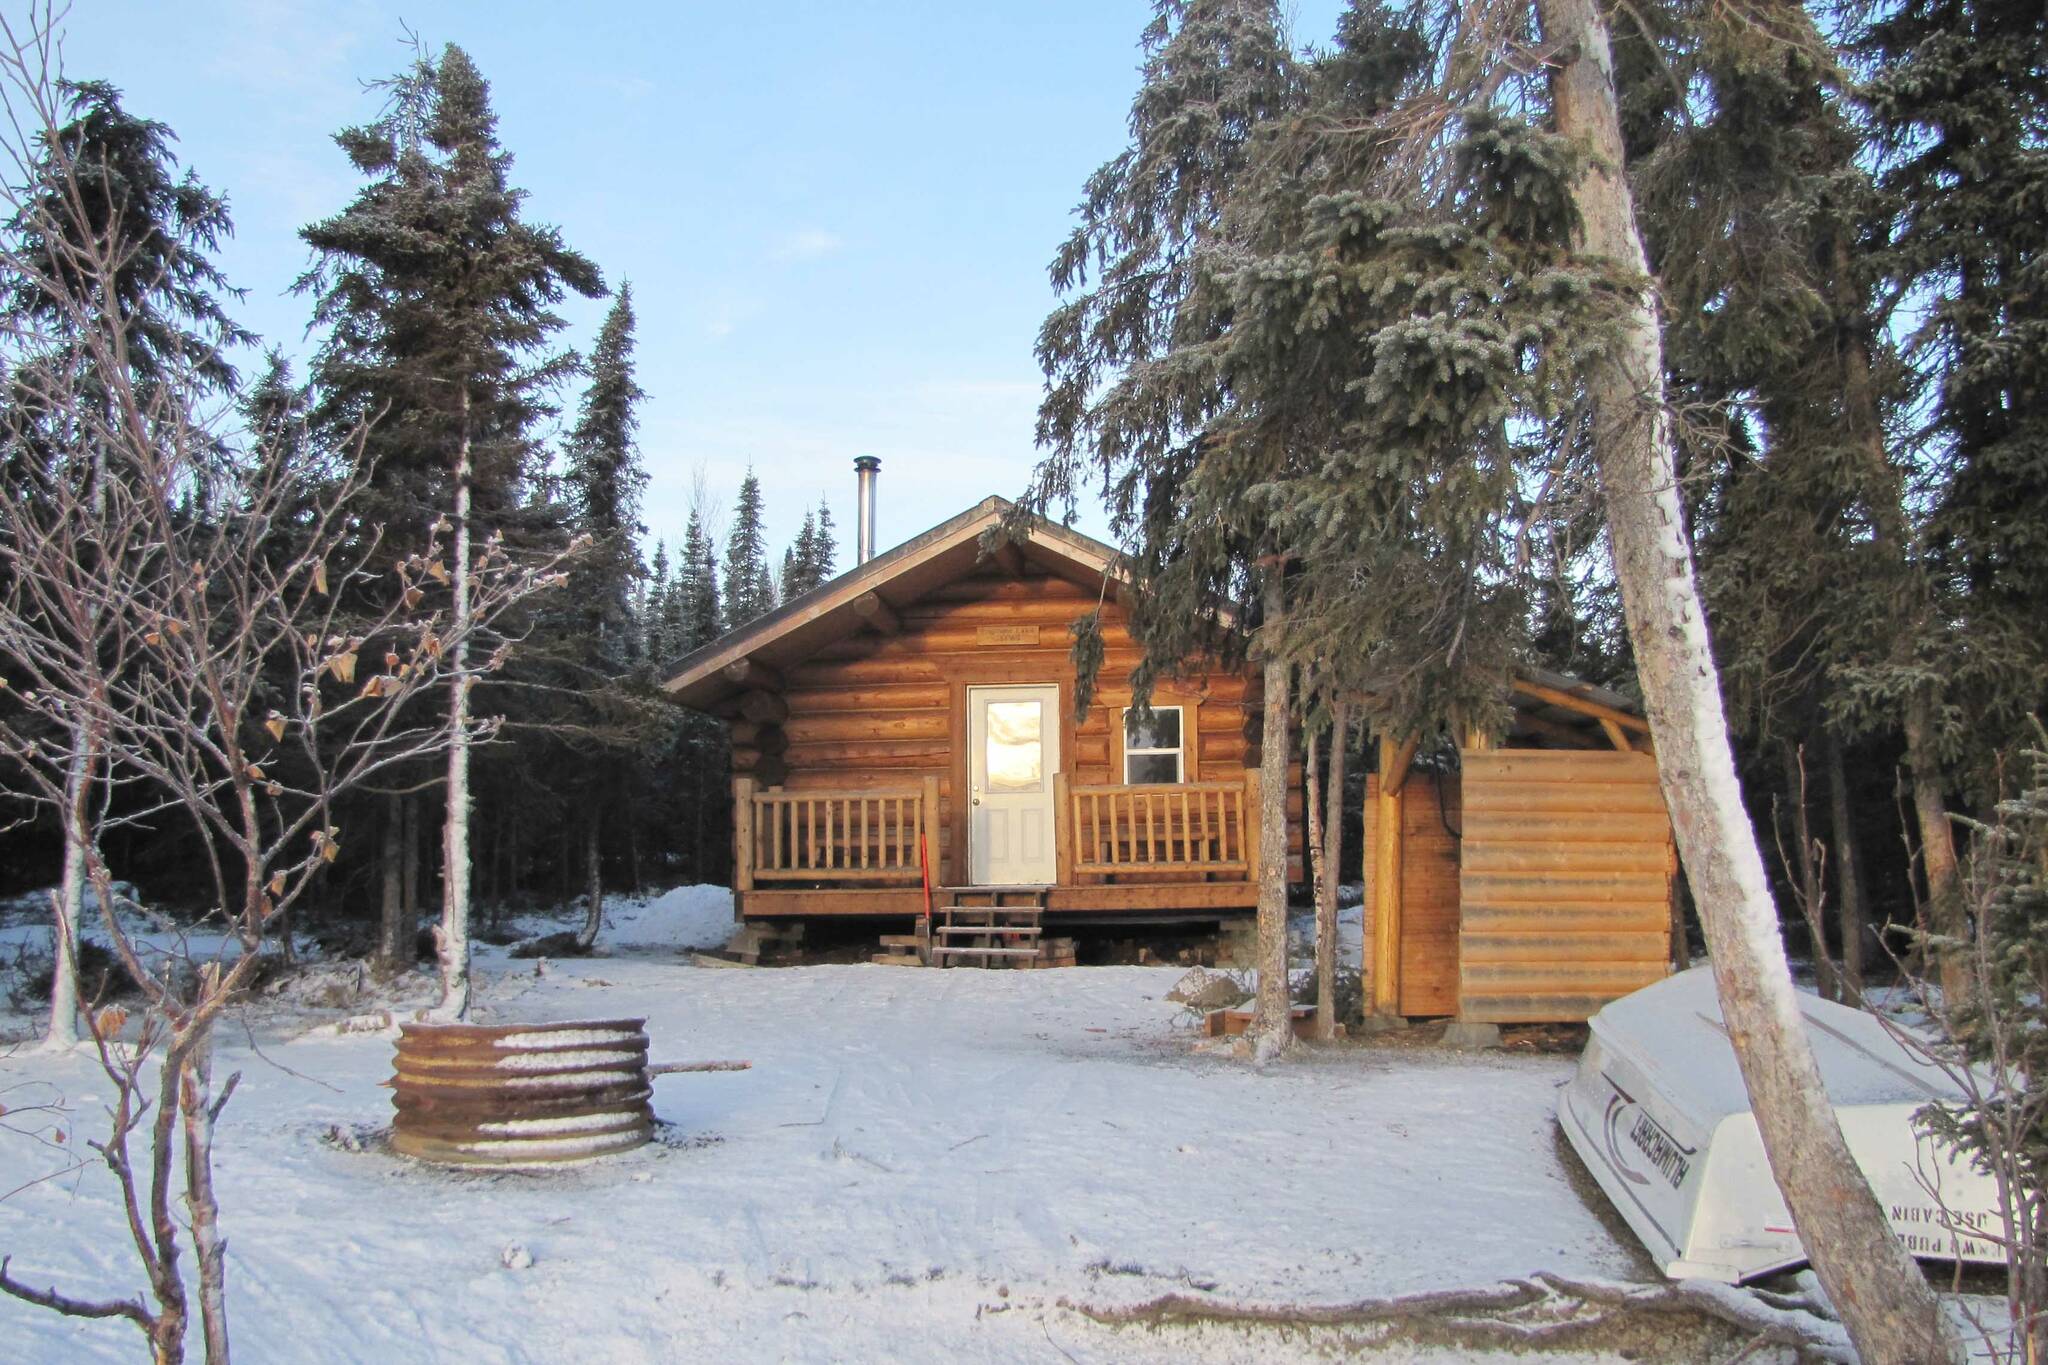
x: 1179, y: 751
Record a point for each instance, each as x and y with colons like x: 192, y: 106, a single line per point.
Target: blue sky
x: 836, y: 217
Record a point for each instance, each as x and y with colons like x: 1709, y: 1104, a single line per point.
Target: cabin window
x: 1153, y: 752
x: 1016, y: 746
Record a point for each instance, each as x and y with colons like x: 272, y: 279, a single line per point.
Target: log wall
x: 1566, y: 885
x: 1429, y: 891
x: 887, y: 705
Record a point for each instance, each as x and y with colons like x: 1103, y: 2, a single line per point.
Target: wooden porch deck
x: 882, y: 851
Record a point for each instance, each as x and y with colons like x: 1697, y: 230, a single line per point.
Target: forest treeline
x: 1330, y: 342
x: 1844, y: 210
x: 586, y: 768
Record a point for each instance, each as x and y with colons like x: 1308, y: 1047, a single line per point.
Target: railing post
x: 933, y: 850
x: 1248, y: 825
x: 1062, y: 830
x: 743, y: 834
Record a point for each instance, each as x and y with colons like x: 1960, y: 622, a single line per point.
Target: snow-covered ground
x: 920, y: 1164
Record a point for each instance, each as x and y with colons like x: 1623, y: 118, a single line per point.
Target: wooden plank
x: 928, y: 803
x: 901, y: 696
x: 1386, y: 862
x: 905, y: 758
x: 1578, y: 917
x: 1003, y: 590
x: 883, y: 725
x: 1553, y: 1008
x: 743, y: 834
x: 1602, y: 944
x: 1402, y: 759
x: 1574, y: 860
x: 1552, y: 796
x: 1565, y: 827
x: 830, y: 872
x: 1173, y: 896
x: 1498, y: 980
x: 1549, y: 765
x: 1585, y: 706
x: 878, y: 900
x: 1538, y: 890
x: 1063, y: 834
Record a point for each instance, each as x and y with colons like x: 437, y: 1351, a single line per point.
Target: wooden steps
x: 906, y: 950
x: 980, y: 926
x: 988, y: 926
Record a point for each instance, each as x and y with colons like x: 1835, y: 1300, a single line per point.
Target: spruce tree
x: 1762, y: 221
x: 797, y: 559
x: 439, y: 299
x: 811, y: 560
x: 1131, y: 387
x: 749, y: 591
x: 696, y: 618
x: 657, y: 645
x: 126, y: 179
x: 106, y: 182
x: 1958, y: 98
x: 824, y: 547
x: 605, y: 480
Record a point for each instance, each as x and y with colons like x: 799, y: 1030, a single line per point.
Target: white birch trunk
x: 593, y: 911
x: 1271, y: 1031
x: 68, y: 903
x: 453, y: 936
x: 209, y: 1248
x: 1885, y: 1302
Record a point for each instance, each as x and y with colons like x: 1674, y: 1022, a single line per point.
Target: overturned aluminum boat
x: 1659, y: 1114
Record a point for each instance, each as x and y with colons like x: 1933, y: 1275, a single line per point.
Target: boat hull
x: 1691, y: 1179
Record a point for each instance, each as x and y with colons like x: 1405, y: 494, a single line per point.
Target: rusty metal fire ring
x: 521, y: 1094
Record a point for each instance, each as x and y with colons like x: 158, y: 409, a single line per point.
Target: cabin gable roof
x: 754, y: 654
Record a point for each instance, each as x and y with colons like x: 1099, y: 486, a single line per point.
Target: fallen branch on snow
x: 673, y: 1068
x: 1545, y: 1310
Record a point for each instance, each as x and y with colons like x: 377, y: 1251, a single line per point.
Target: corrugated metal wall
x: 1566, y: 882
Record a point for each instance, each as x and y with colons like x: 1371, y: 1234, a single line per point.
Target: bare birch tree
x: 179, y: 612
x: 1891, y: 1313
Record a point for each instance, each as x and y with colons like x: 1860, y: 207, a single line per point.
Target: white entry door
x: 1014, y: 750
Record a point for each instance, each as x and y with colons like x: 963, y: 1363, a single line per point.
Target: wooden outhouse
x: 904, y: 737
x: 1533, y: 881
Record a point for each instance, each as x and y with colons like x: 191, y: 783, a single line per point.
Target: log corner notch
x: 752, y: 673
x: 1007, y: 556
x: 877, y: 614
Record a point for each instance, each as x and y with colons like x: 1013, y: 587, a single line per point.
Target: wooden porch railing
x: 1183, y: 827
x: 869, y: 836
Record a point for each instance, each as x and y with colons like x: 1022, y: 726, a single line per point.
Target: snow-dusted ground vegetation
x: 920, y: 1165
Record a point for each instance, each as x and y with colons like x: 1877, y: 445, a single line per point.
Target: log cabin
x: 905, y: 747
